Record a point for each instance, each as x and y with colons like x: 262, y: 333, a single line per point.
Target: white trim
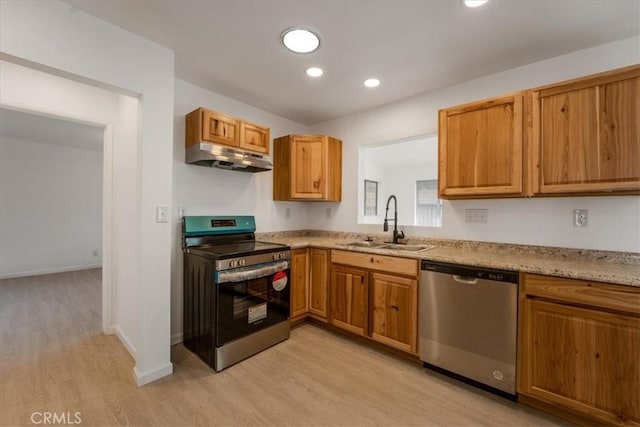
x: 143, y: 378
x: 49, y: 271
x: 124, y: 340
x: 177, y: 338
x: 108, y: 270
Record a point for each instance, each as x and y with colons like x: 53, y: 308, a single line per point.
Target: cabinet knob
x: 316, y: 184
x: 395, y: 307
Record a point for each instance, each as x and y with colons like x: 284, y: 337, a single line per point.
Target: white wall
x: 54, y: 36
x: 213, y: 191
x: 50, y: 207
x: 614, y: 222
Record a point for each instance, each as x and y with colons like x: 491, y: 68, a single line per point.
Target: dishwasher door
x: 468, y: 322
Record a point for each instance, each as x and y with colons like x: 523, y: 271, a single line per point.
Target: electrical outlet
x: 581, y: 217
x: 328, y: 212
x: 478, y: 216
x: 287, y: 213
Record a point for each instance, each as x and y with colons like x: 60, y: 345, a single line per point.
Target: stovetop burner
x: 230, y: 250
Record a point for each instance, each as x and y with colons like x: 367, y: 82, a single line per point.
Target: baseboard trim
x: 143, y: 378
x: 125, y: 341
x: 49, y: 271
x: 177, y: 338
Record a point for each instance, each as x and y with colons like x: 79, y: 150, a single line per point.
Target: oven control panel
x: 281, y: 255
x: 249, y: 260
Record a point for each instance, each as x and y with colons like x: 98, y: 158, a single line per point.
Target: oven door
x: 251, y: 299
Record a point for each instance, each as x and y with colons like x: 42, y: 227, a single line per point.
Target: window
x: 428, y: 205
x: 393, y: 168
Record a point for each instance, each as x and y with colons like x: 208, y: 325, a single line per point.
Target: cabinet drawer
x: 390, y: 264
x: 596, y: 294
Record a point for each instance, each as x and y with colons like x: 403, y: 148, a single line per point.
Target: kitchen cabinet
x: 585, y: 135
x: 307, y: 168
x: 480, y: 149
x: 375, y: 296
x: 309, y: 283
x: 318, y: 281
x: 580, y: 348
x: 299, y: 285
x: 210, y: 126
x: 395, y: 311
x: 349, y: 292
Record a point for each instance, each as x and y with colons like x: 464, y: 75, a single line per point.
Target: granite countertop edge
x: 622, y: 268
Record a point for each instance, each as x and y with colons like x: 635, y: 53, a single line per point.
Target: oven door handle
x: 248, y: 273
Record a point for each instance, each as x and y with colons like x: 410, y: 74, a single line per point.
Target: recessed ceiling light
x: 474, y: 3
x: 300, y: 40
x: 314, y: 72
x: 372, y: 83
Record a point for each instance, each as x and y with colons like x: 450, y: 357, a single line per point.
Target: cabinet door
x: 480, y: 149
x: 583, y: 359
x: 219, y: 128
x: 299, y: 283
x: 318, y: 266
x: 254, y: 138
x: 349, y: 299
x: 586, y: 135
x: 395, y: 311
x: 309, y: 167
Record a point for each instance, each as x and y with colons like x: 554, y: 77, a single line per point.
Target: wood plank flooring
x: 53, y: 358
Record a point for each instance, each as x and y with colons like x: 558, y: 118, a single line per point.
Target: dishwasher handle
x: 465, y: 279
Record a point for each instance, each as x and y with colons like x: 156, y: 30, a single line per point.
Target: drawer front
x: 389, y: 264
x: 596, y: 294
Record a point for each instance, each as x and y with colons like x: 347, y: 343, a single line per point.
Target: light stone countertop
x: 621, y: 268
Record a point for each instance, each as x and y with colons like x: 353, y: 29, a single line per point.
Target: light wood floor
x: 53, y: 358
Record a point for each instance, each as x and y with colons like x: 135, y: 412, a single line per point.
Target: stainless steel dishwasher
x: 468, y: 323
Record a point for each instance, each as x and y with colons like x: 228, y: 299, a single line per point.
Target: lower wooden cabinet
x: 580, y: 347
x: 349, y: 292
x: 376, y: 296
x: 299, y: 294
x: 309, y: 284
x: 395, y: 311
x: 318, y: 280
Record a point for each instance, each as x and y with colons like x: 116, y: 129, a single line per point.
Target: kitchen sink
x: 390, y: 246
x: 365, y: 244
x: 407, y: 248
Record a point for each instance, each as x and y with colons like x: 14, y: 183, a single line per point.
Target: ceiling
x: 413, y: 46
x: 49, y: 130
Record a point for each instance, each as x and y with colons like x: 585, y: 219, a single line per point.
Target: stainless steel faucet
x: 396, y: 235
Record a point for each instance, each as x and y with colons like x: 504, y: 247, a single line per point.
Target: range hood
x: 214, y: 155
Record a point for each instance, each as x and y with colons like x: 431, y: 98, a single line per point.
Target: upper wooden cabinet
x: 480, y: 149
x: 307, y: 167
x: 211, y: 126
x: 585, y: 135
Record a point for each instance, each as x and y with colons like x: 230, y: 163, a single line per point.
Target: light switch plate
x: 162, y: 214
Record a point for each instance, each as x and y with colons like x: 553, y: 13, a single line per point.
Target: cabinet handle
x: 395, y: 307
x: 316, y: 184
x: 361, y: 280
x: 371, y: 259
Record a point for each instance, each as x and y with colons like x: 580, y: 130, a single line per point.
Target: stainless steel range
x: 236, y: 289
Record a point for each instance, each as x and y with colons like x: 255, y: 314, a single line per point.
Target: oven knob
x: 241, y: 262
x: 282, y: 255
x: 275, y: 256
x: 233, y: 263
